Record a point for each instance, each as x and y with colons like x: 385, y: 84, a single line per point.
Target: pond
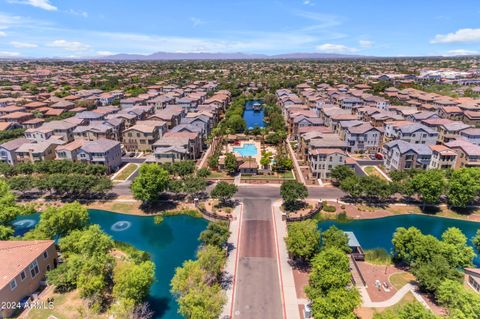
x: 253, y: 115
x: 169, y: 245
x: 378, y: 232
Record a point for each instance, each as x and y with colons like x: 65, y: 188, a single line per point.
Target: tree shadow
x: 430, y: 210
x: 463, y: 210
x: 155, y: 207
x: 299, y: 264
x: 159, y: 305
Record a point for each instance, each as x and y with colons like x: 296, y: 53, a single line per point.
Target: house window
x: 34, y: 270
x: 23, y: 275
x: 45, y: 254
x: 13, y: 284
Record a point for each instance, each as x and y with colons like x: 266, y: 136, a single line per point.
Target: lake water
x: 253, y: 118
x: 378, y: 232
x: 169, y: 245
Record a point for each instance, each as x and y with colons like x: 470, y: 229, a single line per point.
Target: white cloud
x: 2, y: 34
x: 8, y: 54
x: 308, y: 2
x: 335, y: 48
x: 365, y: 44
x: 42, y: 4
x: 196, y: 21
x: 78, y: 13
x: 69, y: 45
x: 458, y: 52
x: 23, y: 45
x: 462, y: 35
x: 104, y: 53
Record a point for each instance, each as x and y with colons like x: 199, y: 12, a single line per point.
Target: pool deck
x: 258, y: 145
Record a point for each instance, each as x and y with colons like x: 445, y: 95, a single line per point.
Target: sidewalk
x: 288, y: 287
x: 295, y: 163
x: 366, y: 302
x: 230, y: 267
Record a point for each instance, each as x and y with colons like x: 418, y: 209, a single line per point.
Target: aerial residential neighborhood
x: 185, y: 160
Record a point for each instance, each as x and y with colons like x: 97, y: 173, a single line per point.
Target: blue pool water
x: 378, y: 232
x: 169, y: 245
x: 247, y: 149
x: 253, y: 118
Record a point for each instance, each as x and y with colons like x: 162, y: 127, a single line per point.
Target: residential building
x: 468, y: 153
x: 103, y: 152
x: 401, y: 155
x: 7, y: 150
x: 323, y: 160
x: 143, y: 135
x: 442, y: 157
x: 23, y: 267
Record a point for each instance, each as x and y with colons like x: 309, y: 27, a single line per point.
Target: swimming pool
x: 247, y: 149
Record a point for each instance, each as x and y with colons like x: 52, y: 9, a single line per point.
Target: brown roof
x: 17, y: 255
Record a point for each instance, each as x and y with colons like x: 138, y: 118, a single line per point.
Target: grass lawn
x: 286, y: 175
x: 378, y: 256
x: 372, y: 171
x: 400, y: 279
x: 127, y: 171
x: 120, y: 207
x: 368, y: 313
x: 66, y: 306
x: 217, y: 174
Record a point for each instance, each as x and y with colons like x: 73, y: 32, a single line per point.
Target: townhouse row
x: 329, y: 124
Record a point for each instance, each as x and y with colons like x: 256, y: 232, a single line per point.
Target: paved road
x: 250, y: 191
x: 273, y: 192
x: 258, y: 291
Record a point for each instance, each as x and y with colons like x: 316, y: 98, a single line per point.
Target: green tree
x: 412, y: 310
x: 202, y: 302
x: 203, y: 172
x: 216, y: 234
x: 330, y: 270
x: 455, y: 248
x: 476, y: 240
x: 430, y: 185
x: 351, y: 185
x: 60, y: 221
x: 150, y: 182
x: 133, y: 281
x: 463, y: 186
x: 303, y: 239
x: 89, y: 242
x: 211, y: 259
x: 431, y: 274
x: 335, y: 238
x: 337, y: 304
x: 341, y: 172
x: 292, y: 192
x: 236, y: 123
x: 187, y: 277
x: 6, y: 232
x: 231, y: 164
x: 21, y: 183
x: 223, y: 191
x: 460, y: 302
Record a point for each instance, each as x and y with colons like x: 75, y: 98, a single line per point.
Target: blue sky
x: 68, y: 28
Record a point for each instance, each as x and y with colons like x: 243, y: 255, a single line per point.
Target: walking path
x: 231, y: 266
x: 290, y: 294
x: 299, y: 174
x: 394, y: 300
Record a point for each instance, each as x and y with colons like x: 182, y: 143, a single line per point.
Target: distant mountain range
x: 171, y: 56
